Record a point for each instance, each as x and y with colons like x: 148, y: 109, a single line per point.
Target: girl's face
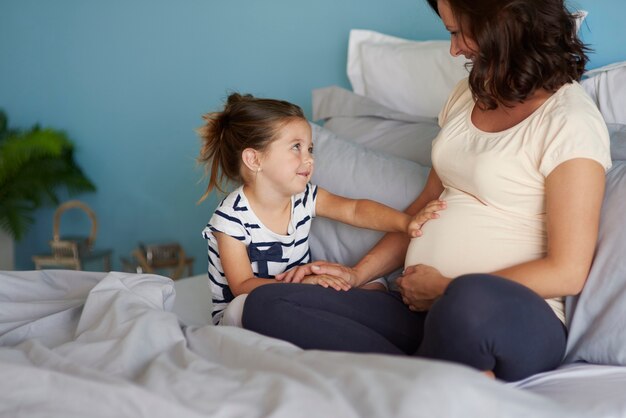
x: 460, y: 44
x: 287, y: 163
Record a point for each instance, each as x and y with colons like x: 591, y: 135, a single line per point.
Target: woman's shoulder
x: 571, y: 111
x: 460, y: 96
x: 573, y: 103
x: 572, y: 126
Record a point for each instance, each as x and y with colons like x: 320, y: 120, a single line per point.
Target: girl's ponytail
x: 211, y: 154
x: 245, y: 122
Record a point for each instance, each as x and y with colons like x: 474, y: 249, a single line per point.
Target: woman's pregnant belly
x: 471, y: 237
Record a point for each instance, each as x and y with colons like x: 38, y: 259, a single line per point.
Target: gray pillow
x: 597, y: 317
x: 375, y: 126
x: 617, y: 132
x: 351, y: 170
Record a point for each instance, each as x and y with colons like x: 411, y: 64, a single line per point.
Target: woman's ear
x: 251, y: 158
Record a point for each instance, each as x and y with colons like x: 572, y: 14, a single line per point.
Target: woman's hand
x: 421, y: 285
x: 327, y: 281
x: 318, y: 268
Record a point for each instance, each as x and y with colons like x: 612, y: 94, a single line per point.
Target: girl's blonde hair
x: 245, y: 122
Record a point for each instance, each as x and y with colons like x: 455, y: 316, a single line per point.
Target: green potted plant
x: 34, y: 163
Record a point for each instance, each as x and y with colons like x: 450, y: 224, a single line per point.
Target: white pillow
x: 409, y: 76
x: 351, y: 170
x: 414, y: 77
x: 607, y: 88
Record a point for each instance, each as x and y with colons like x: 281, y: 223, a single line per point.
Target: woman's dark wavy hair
x: 523, y: 45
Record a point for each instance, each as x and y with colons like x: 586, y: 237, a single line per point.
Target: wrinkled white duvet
x: 77, y: 344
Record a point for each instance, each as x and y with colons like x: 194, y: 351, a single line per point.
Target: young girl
x: 262, y: 228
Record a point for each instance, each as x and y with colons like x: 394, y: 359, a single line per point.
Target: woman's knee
x: 486, y: 322
x: 486, y: 293
x: 477, y: 286
x: 467, y: 302
x: 468, y: 311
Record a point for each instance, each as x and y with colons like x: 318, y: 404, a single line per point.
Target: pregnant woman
x: 520, y: 162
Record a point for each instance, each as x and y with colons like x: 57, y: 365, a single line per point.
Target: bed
x: 134, y: 345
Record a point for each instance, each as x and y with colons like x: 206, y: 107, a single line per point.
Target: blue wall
x: 128, y: 80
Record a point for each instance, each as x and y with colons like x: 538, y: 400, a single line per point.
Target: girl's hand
x: 327, y: 281
x: 296, y: 274
x: 318, y: 268
x: 427, y: 213
x: 421, y: 285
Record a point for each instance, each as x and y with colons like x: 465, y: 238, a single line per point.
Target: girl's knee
x: 264, y: 302
x: 234, y: 311
x: 258, y: 302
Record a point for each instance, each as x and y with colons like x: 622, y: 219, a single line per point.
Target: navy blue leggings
x: 483, y: 321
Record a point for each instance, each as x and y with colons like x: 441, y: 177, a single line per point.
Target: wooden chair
x: 73, y: 252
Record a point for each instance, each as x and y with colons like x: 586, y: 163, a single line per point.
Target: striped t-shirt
x: 270, y: 253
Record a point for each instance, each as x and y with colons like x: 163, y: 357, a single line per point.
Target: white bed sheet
x: 120, y: 352
x: 592, y: 390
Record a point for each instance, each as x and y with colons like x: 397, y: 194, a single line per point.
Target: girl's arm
x: 386, y: 256
x: 361, y: 213
x: 238, y: 271
x: 373, y: 215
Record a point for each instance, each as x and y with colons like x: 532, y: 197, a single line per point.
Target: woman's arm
x: 389, y: 253
x: 386, y: 256
x: 574, y: 194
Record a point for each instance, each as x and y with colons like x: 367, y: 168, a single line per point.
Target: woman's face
x: 460, y: 44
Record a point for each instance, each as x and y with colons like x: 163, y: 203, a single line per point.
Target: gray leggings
x: 482, y: 320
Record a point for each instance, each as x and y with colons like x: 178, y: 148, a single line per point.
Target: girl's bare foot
x: 490, y: 374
